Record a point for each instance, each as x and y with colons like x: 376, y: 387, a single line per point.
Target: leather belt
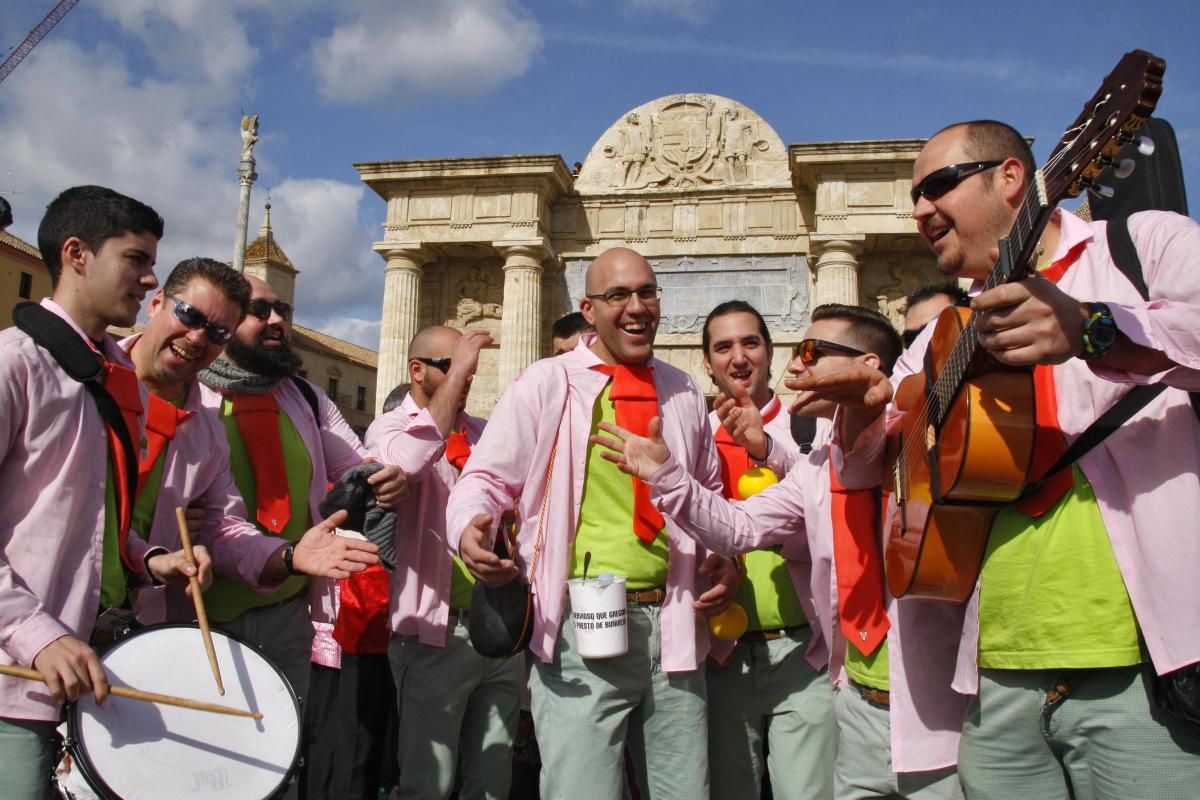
x: 647, y: 597
x: 771, y: 634
x: 878, y: 697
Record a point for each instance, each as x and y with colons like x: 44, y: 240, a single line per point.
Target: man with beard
x: 536, y: 449
x: 283, y: 456
x: 770, y: 691
x: 190, y: 320
x: 458, y: 709
x: 65, y: 552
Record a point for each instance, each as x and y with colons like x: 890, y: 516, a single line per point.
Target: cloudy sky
x: 146, y: 96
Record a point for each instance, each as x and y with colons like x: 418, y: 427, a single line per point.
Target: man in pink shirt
x: 569, y: 504
x: 58, y: 557
x: 457, y: 708
x: 1088, y: 592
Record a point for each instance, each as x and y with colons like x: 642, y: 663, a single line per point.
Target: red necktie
x: 257, y: 417
x: 1049, y: 444
x: 859, y: 562
x: 122, y: 384
x: 162, y: 421
x: 458, y: 449
x: 734, y: 458
x: 635, y: 402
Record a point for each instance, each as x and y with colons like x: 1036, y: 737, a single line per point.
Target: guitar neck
x: 1015, y: 263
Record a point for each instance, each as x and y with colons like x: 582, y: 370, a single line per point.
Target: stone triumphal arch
x: 700, y: 184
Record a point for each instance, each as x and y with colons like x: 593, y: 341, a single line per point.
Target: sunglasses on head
x: 809, y: 350
x: 441, y: 363
x: 941, y: 181
x: 195, y: 320
x: 262, y: 309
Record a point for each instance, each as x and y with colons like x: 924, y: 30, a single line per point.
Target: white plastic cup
x: 598, y: 612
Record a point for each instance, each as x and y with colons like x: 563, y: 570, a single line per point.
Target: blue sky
x: 146, y: 96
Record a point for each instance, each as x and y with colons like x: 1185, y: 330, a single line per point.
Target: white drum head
x: 135, y: 749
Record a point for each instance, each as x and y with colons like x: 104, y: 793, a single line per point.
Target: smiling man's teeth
x: 186, y: 355
x: 634, y: 328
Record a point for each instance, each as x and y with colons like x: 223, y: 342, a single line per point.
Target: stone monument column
x: 246, y: 177
x: 521, y: 323
x: 401, y: 308
x: 837, y: 270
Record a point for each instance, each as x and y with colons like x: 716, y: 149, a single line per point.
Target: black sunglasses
x: 809, y: 350
x: 941, y: 181
x: 195, y: 320
x: 262, y: 308
x: 441, y: 363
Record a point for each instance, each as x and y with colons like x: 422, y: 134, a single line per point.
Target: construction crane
x: 36, y: 35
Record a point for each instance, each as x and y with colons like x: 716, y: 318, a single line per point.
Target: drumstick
x: 201, y: 617
x: 137, y: 694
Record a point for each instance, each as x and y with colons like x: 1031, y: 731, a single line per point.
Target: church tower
x: 266, y: 261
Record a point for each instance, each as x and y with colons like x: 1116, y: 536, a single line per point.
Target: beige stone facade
x: 698, y: 183
x: 23, y: 275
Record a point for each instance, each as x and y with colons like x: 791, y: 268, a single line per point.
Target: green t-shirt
x: 461, y: 584
x: 869, y: 670
x: 114, y: 586
x: 229, y: 598
x: 768, y: 594
x: 606, y: 519
x: 1051, y: 593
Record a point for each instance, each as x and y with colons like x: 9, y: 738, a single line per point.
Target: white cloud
x: 390, y: 49
x: 364, y: 332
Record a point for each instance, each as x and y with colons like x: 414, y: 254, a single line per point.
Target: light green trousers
x: 458, y: 715
x: 1105, y: 741
x: 586, y: 711
x: 768, y: 692
x: 28, y: 750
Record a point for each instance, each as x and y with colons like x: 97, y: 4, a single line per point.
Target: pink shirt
x: 408, y: 437
x: 196, y: 464
x: 1145, y: 475
x: 553, y: 400
x: 52, y: 483
x: 334, y: 449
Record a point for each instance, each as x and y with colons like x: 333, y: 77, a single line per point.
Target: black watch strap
x: 289, y: 553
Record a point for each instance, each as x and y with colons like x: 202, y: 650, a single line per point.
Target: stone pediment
x: 685, y: 142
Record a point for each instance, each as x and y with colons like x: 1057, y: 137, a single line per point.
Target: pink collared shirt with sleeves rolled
x: 52, y: 484
x: 408, y: 437
x: 926, y: 714
x: 1146, y: 475
x: 334, y: 449
x: 511, y: 461
x: 195, y: 465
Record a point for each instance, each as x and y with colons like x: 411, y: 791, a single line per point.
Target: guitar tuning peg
x: 1125, y: 168
x: 1101, y: 190
x: 1145, y: 145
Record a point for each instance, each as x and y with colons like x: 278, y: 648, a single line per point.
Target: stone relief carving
x: 895, y: 283
x: 480, y: 296
x: 682, y: 142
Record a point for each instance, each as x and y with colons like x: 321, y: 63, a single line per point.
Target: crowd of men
x: 606, y: 460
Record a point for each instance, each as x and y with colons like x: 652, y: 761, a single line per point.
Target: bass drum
x: 132, y: 749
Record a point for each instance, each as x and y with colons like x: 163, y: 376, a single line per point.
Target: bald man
x: 536, y: 448
x: 456, y: 706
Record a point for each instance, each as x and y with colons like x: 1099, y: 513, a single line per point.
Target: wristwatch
x: 289, y: 553
x: 1099, y: 331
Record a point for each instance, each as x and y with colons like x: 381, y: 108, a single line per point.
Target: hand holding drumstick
x: 198, y: 599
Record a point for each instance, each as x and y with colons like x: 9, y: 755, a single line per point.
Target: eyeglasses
x: 441, y: 363
x: 262, y: 308
x: 941, y: 181
x: 619, y: 297
x: 195, y: 320
x: 809, y: 350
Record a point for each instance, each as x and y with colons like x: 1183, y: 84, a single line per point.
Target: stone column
x: 401, y: 305
x: 246, y: 177
x: 837, y: 271
x: 521, y: 323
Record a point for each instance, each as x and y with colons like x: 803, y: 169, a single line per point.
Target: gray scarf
x: 228, y: 378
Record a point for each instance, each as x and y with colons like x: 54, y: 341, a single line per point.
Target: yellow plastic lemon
x: 755, y: 479
x: 730, y: 624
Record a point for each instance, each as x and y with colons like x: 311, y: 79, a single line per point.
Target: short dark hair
x: 570, y: 324
x: 733, y: 307
x: 94, y: 214
x: 396, y: 397
x: 869, y: 331
x: 956, y: 293
x: 225, y: 278
x: 990, y: 140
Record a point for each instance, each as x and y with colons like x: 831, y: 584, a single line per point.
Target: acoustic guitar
x: 964, y: 446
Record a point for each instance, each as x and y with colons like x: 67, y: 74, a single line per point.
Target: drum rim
x: 73, y: 744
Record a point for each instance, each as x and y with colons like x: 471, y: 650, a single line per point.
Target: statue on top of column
x: 249, y: 135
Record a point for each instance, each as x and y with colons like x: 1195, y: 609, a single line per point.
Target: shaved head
x: 595, y: 281
x: 436, y: 341
x: 627, y: 320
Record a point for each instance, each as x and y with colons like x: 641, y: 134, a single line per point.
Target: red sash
x: 635, y: 401
x: 257, y: 417
x: 859, y: 562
